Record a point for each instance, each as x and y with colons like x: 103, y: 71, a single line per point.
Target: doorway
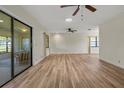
x: 46, y: 44
x: 15, y: 47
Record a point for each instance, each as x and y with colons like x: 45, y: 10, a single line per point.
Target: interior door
x: 22, y: 47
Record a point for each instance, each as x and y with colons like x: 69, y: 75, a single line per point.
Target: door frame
x: 12, y: 46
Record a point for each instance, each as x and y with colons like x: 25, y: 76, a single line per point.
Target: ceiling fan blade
x: 63, y: 6
x: 76, y: 11
x: 91, y: 8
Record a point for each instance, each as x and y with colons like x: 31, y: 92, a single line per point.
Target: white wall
x: 68, y: 43
x: 94, y: 50
x: 38, y: 42
x: 71, y: 42
x: 112, y: 41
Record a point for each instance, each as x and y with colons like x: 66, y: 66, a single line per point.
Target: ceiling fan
x: 89, y: 7
x: 70, y: 30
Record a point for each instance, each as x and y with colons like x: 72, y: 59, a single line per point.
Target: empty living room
x: 62, y: 46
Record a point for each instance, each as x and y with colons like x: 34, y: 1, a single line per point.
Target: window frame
x: 96, y: 41
x: 12, y: 18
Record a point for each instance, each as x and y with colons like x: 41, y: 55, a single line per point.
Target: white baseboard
x: 117, y: 65
x: 73, y: 53
x: 39, y: 60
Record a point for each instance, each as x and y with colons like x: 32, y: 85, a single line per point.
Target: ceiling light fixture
x: 1, y: 21
x: 68, y: 19
x: 24, y: 30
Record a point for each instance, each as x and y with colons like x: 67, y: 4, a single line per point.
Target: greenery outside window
x: 5, y: 44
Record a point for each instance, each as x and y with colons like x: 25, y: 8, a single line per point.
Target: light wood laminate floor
x: 70, y: 71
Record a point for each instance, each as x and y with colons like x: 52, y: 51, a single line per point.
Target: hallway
x: 70, y: 70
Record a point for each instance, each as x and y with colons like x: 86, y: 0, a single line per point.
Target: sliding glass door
x: 15, y: 47
x: 5, y: 48
x: 22, y: 47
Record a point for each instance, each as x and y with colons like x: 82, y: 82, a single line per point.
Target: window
x: 94, y: 42
x: 2, y: 44
x: 8, y: 44
x: 26, y: 43
x: 5, y: 44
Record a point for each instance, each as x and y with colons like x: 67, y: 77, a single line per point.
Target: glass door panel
x: 22, y: 47
x: 5, y: 48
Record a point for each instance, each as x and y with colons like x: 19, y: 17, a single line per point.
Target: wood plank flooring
x: 70, y: 71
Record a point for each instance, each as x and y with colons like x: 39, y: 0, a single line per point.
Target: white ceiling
x: 52, y: 17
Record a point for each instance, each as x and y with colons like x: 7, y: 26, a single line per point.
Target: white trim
x: 38, y: 61
x: 70, y: 53
x: 117, y: 65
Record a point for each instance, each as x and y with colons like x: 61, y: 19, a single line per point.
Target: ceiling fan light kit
x: 70, y: 30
